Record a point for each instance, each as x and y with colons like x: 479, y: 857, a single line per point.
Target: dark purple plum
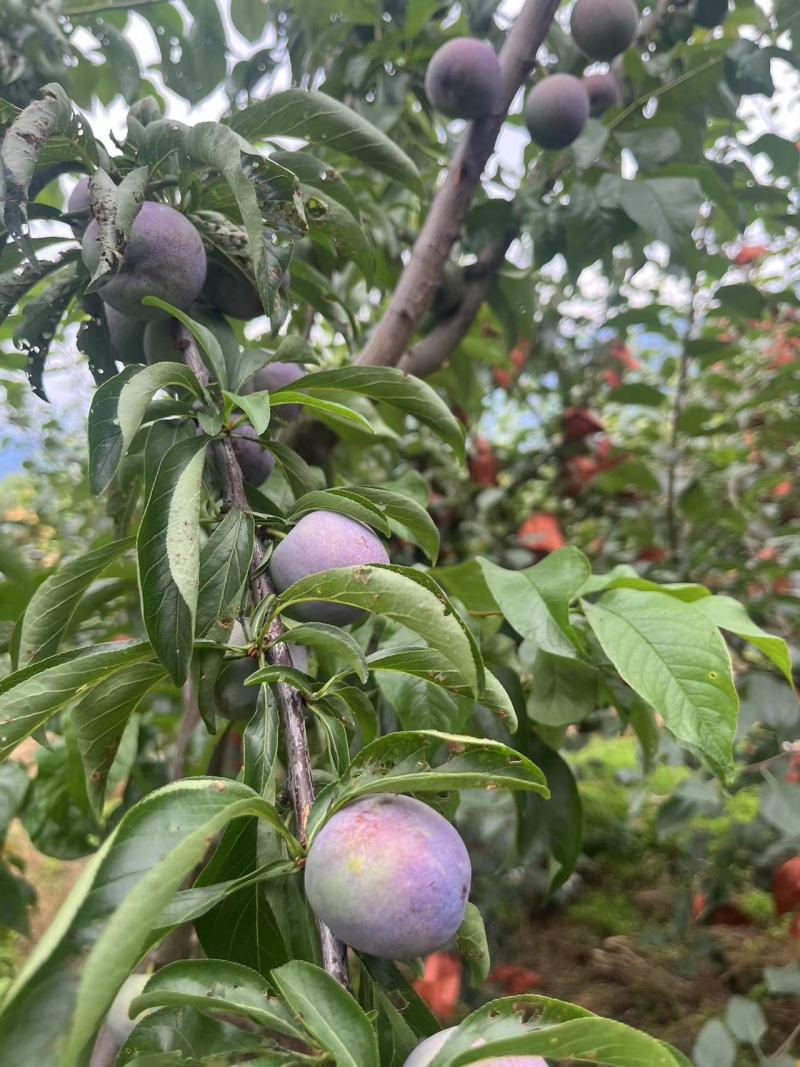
x: 603, y: 29
x: 603, y: 91
x: 127, y: 336
x: 230, y: 292
x: 276, y: 376
x: 463, y: 79
x: 257, y: 462
x: 389, y: 876
x: 79, y: 203
x: 165, y: 258
x: 321, y: 541
x: 423, y: 1054
x: 556, y: 111
x: 710, y: 13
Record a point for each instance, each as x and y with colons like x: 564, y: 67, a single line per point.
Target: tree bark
x: 449, y: 209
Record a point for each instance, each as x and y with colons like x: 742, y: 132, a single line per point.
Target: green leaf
x: 183, y: 1037
x: 554, y: 1029
x: 745, y: 1020
x: 405, y: 595
x: 402, y: 763
x: 118, y: 409
x: 395, y: 388
x: 224, y: 565
x: 748, y: 68
x: 317, y: 403
x: 465, y: 582
x: 714, y: 1046
x: 729, y: 614
x: 328, y: 638
x: 115, y: 208
x: 637, y: 393
x: 344, y: 502
x: 208, y: 343
x: 191, y: 904
x: 31, y: 696
x: 526, y: 609
x: 743, y: 301
x: 100, y: 719
x: 407, y: 519
x: 301, y: 477
x: 666, y: 209
x: 564, y: 690
x: 53, y: 605
x: 168, y: 547
x: 322, y: 120
x: 329, y: 1013
x: 218, y: 985
x: 673, y: 656
x: 255, y: 406
x: 473, y: 946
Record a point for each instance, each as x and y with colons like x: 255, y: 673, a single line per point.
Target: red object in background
x: 782, y: 489
x: 520, y: 353
x: 793, y: 774
x: 698, y: 906
x: 652, y: 554
x: 440, y: 985
x: 503, y: 378
x: 794, y: 927
x: 461, y: 415
x: 541, y: 532
x: 484, y: 465
x: 613, y: 380
x: 579, y: 423
x: 750, y: 255
x: 515, y: 980
x: 786, y: 886
x: 722, y: 915
x: 622, y: 354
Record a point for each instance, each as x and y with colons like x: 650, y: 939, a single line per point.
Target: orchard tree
x: 258, y: 691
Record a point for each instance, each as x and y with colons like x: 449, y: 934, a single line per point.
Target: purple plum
x: 230, y: 292
x: 423, y: 1054
x: 165, y: 258
x: 463, y: 79
x: 603, y: 90
x: 390, y: 877
x: 276, y: 376
x: 556, y: 110
x: 256, y: 462
x: 126, y: 335
x: 321, y: 541
x: 603, y: 29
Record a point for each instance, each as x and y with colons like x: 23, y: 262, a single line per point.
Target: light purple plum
x: 556, y: 110
x: 423, y: 1054
x: 463, y: 79
x: 277, y: 376
x: 321, y: 541
x: 165, y: 258
x: 126, y: 336
x: 257, y: 462
x: 390, y: 877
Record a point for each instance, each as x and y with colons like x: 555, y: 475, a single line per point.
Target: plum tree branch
x: 290, y: 702
x: 443, y: 225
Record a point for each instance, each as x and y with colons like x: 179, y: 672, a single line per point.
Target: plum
x: 603, y: 92
x: 556, y: 110
x: 161, y: 337
x: 321, y: 541
x: 256, y: 462
x: 79, y: 203
x: 230, y: 292
x: 710, y: 13
x: 463, y: 79
x: 424, y: 1053
x: 390, y: 876
x: 276, y: 376
x: 165, y: 258
x: 126, y: 336
x: 603, y: 29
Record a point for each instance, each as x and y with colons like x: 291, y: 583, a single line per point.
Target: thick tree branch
x: 443, y: 225
x: 290, y: 702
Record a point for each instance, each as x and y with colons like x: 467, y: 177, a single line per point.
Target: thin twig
x: 290, y: 702
x: 443, y: 225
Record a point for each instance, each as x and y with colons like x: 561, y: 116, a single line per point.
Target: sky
x: 69, y: 385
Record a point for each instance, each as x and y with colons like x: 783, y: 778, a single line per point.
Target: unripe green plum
x: 603, y: 92
x: 603, y: 29
x: 126, y: 336
x: 710, y: 13
x: 165, y: 258
x: 463, y: 79
x: 256, y: 461
x: 161, y: 336
x: 274, y: 376
x: 321, y: 541
x: 423, y: 1054
x: 389, y: 876
x: 556, y: 110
